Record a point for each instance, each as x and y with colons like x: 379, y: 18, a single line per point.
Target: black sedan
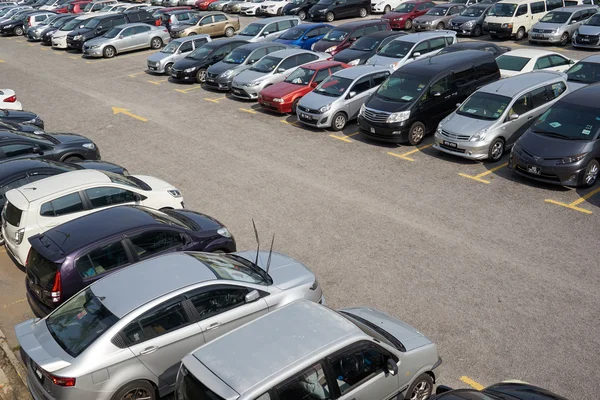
x: 50, y: 146
x: 499, y: 391
x: 485, y: 46
x: 22, y: 117
x: 15, y: 25
x: 366, y: 47
x: 562, y: 147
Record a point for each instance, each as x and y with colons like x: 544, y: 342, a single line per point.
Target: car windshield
x: 336, y: 35
x: 458, y: 1
x: 92, y: 23
x: 113, y: 33
x: 200, y: 53
x: 404, y: 88
x: 292, y: 34
x: 301, y: 76
x: 502, y: 10
x: 405, y: 7
x: 569, y: 121
x: 373, y: 330
x: 297, y: 1
x: 437, y: 11
x: 124, y: 180
x: 396, y: 49
x: 511, y: 63
x: 233, y: 267
x: 594, y: 21
x: 266, y: 64
x: 585, y: 72
x: 88, y: 7
x: 120, y: 9
x: 61, y: 22
x: 69, y: 26
x: 487, y: 106
x: 325, y: 2
x: 251, y: 30
x: 556, y: 17
x: 237, y: 56
x: 334, y: 86
x: 472, y: 12
x: 171, y: 47
x: 107, y: 8
x: 79, y: 322
x: 366, y: 43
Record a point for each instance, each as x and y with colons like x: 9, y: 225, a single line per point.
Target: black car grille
x: 211, y: 75
x: 455, y: 24
x: 455, y: 136
x: 375, y: 116
x: 308, y: 110
x: 494, y: 26
x: 535, y: 30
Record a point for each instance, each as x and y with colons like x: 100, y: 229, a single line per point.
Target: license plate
x: 584, y: 40
x: 153, y: 68
x: 492, y: 31
x: 236, y: 91
x: 534, y: 170
x: 450, y: 144
x: 538, y: 36
x: 39, y: 374
x: 210, y: 80
x: 306, y: 116
x: 38, y: 292
x: 372, y: 130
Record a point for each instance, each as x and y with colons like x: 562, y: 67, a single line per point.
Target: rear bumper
x: 39, y: 310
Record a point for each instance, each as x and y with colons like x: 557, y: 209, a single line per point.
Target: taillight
x: 55, y: 295
x: 11, y: 99
x: 61, y: 381
x: 164, y: 30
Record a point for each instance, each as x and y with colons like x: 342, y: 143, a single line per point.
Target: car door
x: 141, y: 37
x: 311, y: 383
x: 421, y: 50
x: 542, y: 63
x: 435, y: 45
x: 150, y: 243
x: 559, y: 63
x: 100, y: 260
x: 538, y: 9
x: 438, y: 100
x: 269, y: 33
x: 206, y: 25
x: 360, y: 372
x: 220, y: 22
x: 522, y: 18
x: 61, y: 209
x: 356, y: 96
x: 519, y: 116
x: 125, y: 40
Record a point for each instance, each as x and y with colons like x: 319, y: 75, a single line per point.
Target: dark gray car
x: 437, y: 17
x: 470, y: 20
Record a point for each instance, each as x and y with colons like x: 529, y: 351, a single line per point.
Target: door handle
x: 213, y: 326
x: 531, y: 116
x: 149, y: 350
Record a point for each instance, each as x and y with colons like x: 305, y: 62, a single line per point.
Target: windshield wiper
x: 252, y: 266
x: 326, y: 93
x: 385, y: 97
x: 552, y: 134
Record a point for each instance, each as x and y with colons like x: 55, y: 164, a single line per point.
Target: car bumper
x: 183, y: 76
x: 7, y: 31
x: 423, y: 27
x: 33, y: 35
x: 315, y: 120
x: 377, y: 8
x: 218, y: 83
x: 39, y: 310
x: 92, y: 52
x: 461, y: 148
x: 74, y: 44
x: 59, y: 43
x: 589, y: 42
x: 462, y: 31
x: 318, y: 17
x: 13, y: 250
x: 396, y: 24
x: 248, y: 12
x: 545, y: 37
x: 391, y: 133
x: 500, y: 32
x: 281, y: 108
x: 156, y: 68
x: 246, y: 92
x: 547, y: 171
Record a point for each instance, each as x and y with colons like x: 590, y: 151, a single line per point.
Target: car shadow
x: 20, y: 267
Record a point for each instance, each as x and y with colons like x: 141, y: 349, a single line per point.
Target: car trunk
x: 43, y: 273
x: 14, y: 212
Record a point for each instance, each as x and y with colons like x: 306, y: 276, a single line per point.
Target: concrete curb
x: 13, y: 359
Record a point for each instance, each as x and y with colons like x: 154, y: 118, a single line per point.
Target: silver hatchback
x: 126, y: 37
x: 558, y: 25
x: 161, y: 62
x: 123, y: 337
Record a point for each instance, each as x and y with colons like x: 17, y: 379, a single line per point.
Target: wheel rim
x: 229, y: 32
x: 201, y: 75
x: 340, y: 121
x: 302, y: 15
x: 408, y: 24
x: 137, y: 394
x: 477, y: 31
x: 440, y: 26
x: 363, y: 13
x: 564, y: 39
x: 156, y: 43
x: 19, y: 31
x: 109, y: 52
x: 520, y: 34
x: 497, y: 150
x: 168, y: 69
x: 329, y: 17
x: 417, y: 134
x: 591, y: 174
x: 420, y: 391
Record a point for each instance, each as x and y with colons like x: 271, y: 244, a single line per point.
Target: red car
x: 283, y: 97
x: 403, y: 15
x: 157, y: 14
x: 203, y: 4
x: 75, y: 7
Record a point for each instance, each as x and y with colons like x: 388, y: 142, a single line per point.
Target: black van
x: 329, y: 10
x: 415, y: 98
x: 299, y: 8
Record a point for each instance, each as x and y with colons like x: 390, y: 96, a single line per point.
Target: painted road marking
x: 118, y: 110
x: 472, y: 383
x: 404, y: 155
x: 345, y: 138
x: 44, y: 49
x: 1, y: 61
x: 248, y: 110
x: 185, y: 91
x: 478, y: 177
x: 158, y: 82
x: 136, y: 74
x: 573, y: 205
x: 21, y: 41
x: 295, y: 123
x: 215, y: 100
x: 74, y: 58
x: 31, y: 44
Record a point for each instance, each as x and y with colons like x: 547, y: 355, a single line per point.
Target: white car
x: 59, y: 37
x: 41, y: 205
x: 526, y: 60
x: 273, y: 7
x: 8, y: 100
x: 384, y: 6
x: 251, y: 8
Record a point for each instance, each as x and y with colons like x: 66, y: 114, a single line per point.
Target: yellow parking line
x: 118, y: 57
x: 573, y: 205
x: 404, y: 155
x: 248, y: 110
x: 215, y: 100
x: 472, y: 383
x: 478, y: 177
x: 30, y: 44
x: 74, y: 58
x: 184, y: 91
x: 21, y: 41
x: 295, y: 123
x: 14, y: 303
x: 1, y: 61
x: 159, y: 81
x: 345, y: 137
x: 136, y: 74
x: 44, y: 49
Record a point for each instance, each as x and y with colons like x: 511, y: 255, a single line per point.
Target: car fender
x: 72, y: 154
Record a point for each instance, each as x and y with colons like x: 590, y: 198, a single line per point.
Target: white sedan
x: 526, y: 60
x: 8, y: 100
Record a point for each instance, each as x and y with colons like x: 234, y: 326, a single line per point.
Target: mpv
x: 342, y: 36
x: 418, y: 95
x: 588, y: 34
x: 314, y: 353
x: 299, y: 8
x: 65, y: 259
x: 268, y: 28
x: 490, y: 121
x: 330, y: 10
x: 558, y: 26
x: 111, y: 342
x: 161, y: 62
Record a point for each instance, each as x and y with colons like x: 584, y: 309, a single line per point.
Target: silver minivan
x: 558, y: 25
x: 308, y: 351
x: 339, y: 97
x: 161, y: 62
x: 268, y: 29
x: 490, y: 121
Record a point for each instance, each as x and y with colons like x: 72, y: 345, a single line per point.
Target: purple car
x: 69, y: 257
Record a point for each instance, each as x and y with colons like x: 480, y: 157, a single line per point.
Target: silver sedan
x: 127, y: 37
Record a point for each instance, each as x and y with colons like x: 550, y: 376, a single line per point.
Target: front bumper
x: 422, y: 27
x: 545, y: 37
x: 7, y: 31
x: 281, y: 108
x: 497, y: 30
x: 74, y: 44
x: 391, y: 133
x: 248, y: 93
x: 587, y: 41
x: 546, y: 170
x: 33, y: 34
x: 89, y: 52
x: 396, y: 24
x: 462, y: 148
x: 313, y: 119
x: 157, y: 68
x: 251, y: 11
x: 376, y: 8
x: 318, y: 16
x: 216, y: 82
x: 461, y: 29
x: 59, y: 43
x: 183, y: 76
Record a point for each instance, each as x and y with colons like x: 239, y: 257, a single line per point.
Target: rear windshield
x: 79, y: 322
x: 12, y: 214
x: 41, y: 270
x: 511, y: 63
x: 190, y: 388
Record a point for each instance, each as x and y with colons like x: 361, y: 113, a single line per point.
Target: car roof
x: 529, y: 53
x: 480, y: 5
x: 358, y: 24
x: 221, y: 42
x: 575, y: 8
x: 514, y: 85
x: 322, y: 64
x: 384, y: 34
x: 514, y: 2
x: 417, y: 37
x: 132, y: 24
x: 471, y: 45
x: 312, y: 25
x: 432, y: 66
x: 9, y: 167
x: 587, y: 96
x: 175, y: 12
x: 157, y: 276
x: 290, y: 52
x: 275, y: 19
x: 273, y: 343
x: 593, y: 58
x: 360, y: 70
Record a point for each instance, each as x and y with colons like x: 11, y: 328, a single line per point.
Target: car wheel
x: 109, y: 52
x: 476, y: 31
x: 201, y: 75
x: 416, y: 133
x: 191, y: 33
x: 136, y: 390
x: 408, y: 24
x: 440, y: 26
x: 362, y: 13
x: 591, y: 174
x: 1, y: 239
x: 339, y: 121
x: 330, y: 17
x: 295, y: 106
x: 156, y: 43
x: 496, y: 150
x: 280, y: 11
x: 229, y: 32
x: 18, y: 31
x: 520, y: 34
x: 387, y: 9
x: 302, y: 15
x: 72, y: 159
x: 421, y: 388
x: 168, y: 69
x: 564, y: 39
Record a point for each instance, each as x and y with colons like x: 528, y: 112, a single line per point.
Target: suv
x: 336, y: 9
x: 307, y: 351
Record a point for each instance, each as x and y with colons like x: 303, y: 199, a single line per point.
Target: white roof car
x: 8, y: 100
x: 41, y: 205
x: 526, y: 60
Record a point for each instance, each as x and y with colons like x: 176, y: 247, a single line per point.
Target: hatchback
x: 33, y: 33
x: 342, y: 36
x: 584, y: 72
x: 559, y: 25
x: 402, y: 17
x: 304, y: 35
x: 588, y: 34
x: 299, y: 8
x: 268, y: 29
x: 366, y: 47
x: 161, y: 62
x: 46, y: 34
x: 470, y: 20
x: 127, y: 37
x: 211, y: 23
x: 437, y: 17
x: 111, y: 342
x: 330, y: 10
x: 21, y: 117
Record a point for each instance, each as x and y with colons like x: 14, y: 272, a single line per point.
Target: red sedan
x: 283, y: 97
x: 203, y: 4
x: 403, y: 15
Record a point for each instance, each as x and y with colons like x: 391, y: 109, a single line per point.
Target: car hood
x: 35, y: 339
x: 348, y: 55
x: 546, y: 25
x: 285, y: 271
x: 382, y: 60
x: 282, y: 89
x: 520, y: 390
x: 48, y: 31
x: 69, y: 138
x: 377, y: 103
x: 551, y: 147
x: 18, y: 115
x: 158, y: 56
x: 323, y: 45
x: 97, y: 41
x: 463, y: 125
x: 394, y: 15
x: 154, y: 183
x: 462, y: 19
x: 80, y: 31
x: 589, y: 30
x: 410, y: 337
x: 221, y: 67
x: 249, y: 76
x: 424, y: 18
x: 188, y: 63
x: 315, y: 101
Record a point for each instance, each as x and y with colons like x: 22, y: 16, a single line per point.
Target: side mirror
x: 512, y: 117
x: 252, y: 296
x: 436, y: 94
x: 416, y: 54
x: 37, y: 150
x: 264, y: 34
x: 121, y: 36
x: 351, y: 95
x: 391, y: 367
x: 137, y: 197
x: 280, y: 70
x: 185, y: 239
x: 442, y: 389
x: 458, y: 105
x: 250, y: 62
x: 571, y: 62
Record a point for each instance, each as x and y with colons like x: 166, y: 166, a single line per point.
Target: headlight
x: 277, y: 100
x: 174, y: 193
x: 469, y: 23
x: 227, y: 74
x: 77, y: 37
x: 90, y: 146
x: 509, y: 26
x: 315, y: 285
x: 362, y: 109
x: 96, y: 46
x: 332, y: 48
x: 576, y: 32
x: 398, y: 19
x: 31, y: 121
x: 187, y: 70
x: 398, y: 117
x: 224, y: 232
x: 354, y: 62
x: 322, y: 11
x: 294, y: 9
x: 313, y: 46
x: 325, y: 108
x: 479, y: 136
x: 19, y: 235
x: 438, y: 131
x: 427, y: 22
x: 252, y: 84
x: 572, y: 159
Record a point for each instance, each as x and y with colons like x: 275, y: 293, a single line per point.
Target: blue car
x: 304, y: 35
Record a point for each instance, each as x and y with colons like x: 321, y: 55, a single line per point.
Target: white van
x: 514, y: 18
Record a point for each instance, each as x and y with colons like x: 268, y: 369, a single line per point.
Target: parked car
x: 584, y: 72
x: 359, y: 353
x: 587, y: 36
x: 218, y: 5
x: 46, y: 34
x: 158, y: 14
x: 16, y: 24
x: 402, y: 17
x: 304, y: 35
x: 409, y: 48
x: 268, y: 29
x: 220, y: 75
x: 283, y: 97
x: 33, y: 33
x: 202, y: 5
x: 13, y: 11
x: 499, y: 391
x: 39, y: 206
x: 75, y: 7
x: 271, y: 69
x: 342, y: 36
x: 559, y: 25
x: 491, y: 120
x: 514, y: 18
x: 299, y: 8
x: 22, y: 117
x: 193, y: 66
x: 97, y: 5
x: 161, y: 62
x: 437, y: 17
x: 211, y: 23
x: 177, y: 18
x: 562, y: 147
x: 6, y: 125
x: 127, y: 37
x: 476, y: 45
x: 526, y: 60
x: 366, y: 47
x: 59, y: 37
x: 338, y: 99
x: 139, y: 337
x: 8, y: 100
x: 470, y: 20
x: 272, y: 8
x: 251, y: 8
x: 411, y: 103
x: 235, y: 6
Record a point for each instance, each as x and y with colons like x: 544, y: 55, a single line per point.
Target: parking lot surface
x: 500, y: 272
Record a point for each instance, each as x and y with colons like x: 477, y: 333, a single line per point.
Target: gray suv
x: 307, y: 351
x: 161, y: 62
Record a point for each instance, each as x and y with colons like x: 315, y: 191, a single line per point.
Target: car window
x: 357, y: 33
x: 538, y: 7
x: 379, y: 78
x: 556, y: 89
x: 219, y: 18
x: 557, y: 60
x: 156, y: 322
x: 148, y: 244
x: 127, y: 32
x: 271, y: 28
x: 355, y: 367
x: 141, y: 29
x: 288, y: 63
x: 436, y: 44
x: 199, y: 42
x: 13, y: 185
x: 336, y: 69
x: 449, y: 40
x: 282, y: 25
x: 577, y: 16
x: 223, y: 51
x: 440, y: 86
x: 371, y: 29
x: 213, y: 302
x: 521, y: 106
x: 553, y: 4
x: 522, y: 10
x: 63, y: 205
x: 133, y: 17
x: 422, y: 48
x: 109, y: 196
x: 538, y: 97
x: 313, y: 33
x: 321, y: 75
x: 15, y: 150
x: 119, y: 20
x: 455, y: 10
x: 306, y: 58
x: 363, y: 84
x: 543, y: 62
x: 186, y: 46
x: 324, y: 29
x: 101, y: 260
x: 308, y: 384
x: 206, y: 20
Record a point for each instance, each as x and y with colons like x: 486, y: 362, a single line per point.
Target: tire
x: 165, y: 209
x: 109, y: 52
x: 520, y: 34
x: 476, y: 31
x: 564, y: 39
x: 329, y: 17
x: 18, y: 31
x: 421, y: 388
x: 280, y: 11
x: 416, y: 133
x: 362, y: 12
x: 295, y: 106
x: 408, y: 24
x: 440, y: 26
x: 136, y: 390
x: 192, y: 34
x: 229, y: 32
x: 71, y: 159
x: 339, y: 121
x: 387, y: 9
x: 168, y: 69
x: 302, y: 15
x: 496, y: 150
x: 201, y: 75
x: 156, y: 43
x: 591, y: 174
